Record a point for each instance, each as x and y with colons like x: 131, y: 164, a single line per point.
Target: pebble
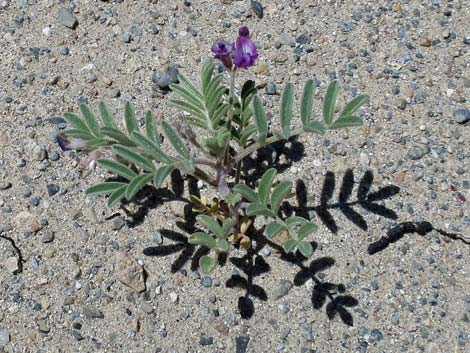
x: 206, y: 281
x: 461, y: 116
x: 48, y: 237
x: 67, y: 19
x: 92, y: 312
x: 52, y: 189
x: 281, y: 289
x: 128, y: 272
x: 126, y: 38
x: 11, y: 264
x: 257, y: 8
x: 271, y: 89
x: 241, y: 344
x: 4, y: 337
x: 168, y: 77
x: 415, y: 153
x: 34, y: 201
x: 206, y: 340
x: 43, y: 327
x: 118, y: 223
x: 146, y: 308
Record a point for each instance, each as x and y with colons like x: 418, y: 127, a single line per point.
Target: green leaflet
x: 329, y: 102
x: 188, y: 85
x: 287, y: 102
x: 117, y: 196
x: 78, y: 134
x: 99, y: 142
x: 151, y: 148
x: 305, y: 248
x: 211, y: 224
x: 278, y: 195
x: 90, y: 120
x: 131, y: 121
x: 118, y: 168
x: 293, y: 221
x: 104, y: 188
x: 315, y: 126
x: 118, y: 136
x: 106, y: 116
x: 306, y: 104
x: 260, y: 118
x: 77, y: 123
x: 289, y: 245
x: 136, y: 184
x: 175, y: 140
x: 161, y: 174
x: 257, y: 209
x: 204, y: 239
x: 150, y: 129
x: 354, y: 105
x: 206, y: 74
x: 134, y: 157
x: 273, y: 229
x: 306, y: 229
x: 207, y: 263
x: 346, y: 121
x: 247, y: 192
x: 188, y: 94
x: 265, y: 184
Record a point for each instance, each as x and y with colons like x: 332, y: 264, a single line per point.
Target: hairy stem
x: 230, y: 114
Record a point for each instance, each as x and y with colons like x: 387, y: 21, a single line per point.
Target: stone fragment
x: 92, y: 312
x: 281, y: 289
x: 67, y: 19
x: 129, y: 272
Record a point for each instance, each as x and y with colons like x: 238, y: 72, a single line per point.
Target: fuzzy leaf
x: 175, y: 140
x: 315, y: 126
x: 117, y: 196
x: 223, y: 245
x: 211, y: 224
x: 206, y: 74
x: 204, y: 239
x: 106, y: 116
x: 76, y: 122
x: 134, y: 157
x: 306, y: 229
x: 305, y: 248
x: 118, y: 168
x: 151, y: 148
x: 118, y: 136
x: 131, y: 121
x: 260, y: 118
x: 207, y: 263
x: 104, y: 188
x: 329, y: 102
x: 90, y: 120
x: 99, y: 142
x: 287, y: 102
x: 190, y: 108
x: 354, y: 105
x: 227, y: 227
x: 257, y: 209
x: 278, y: 195
x: 188, y: 85
x: 289, y: 245
x: 346, y: 121
x: 247, y: 192
x: 293, y: 221
x: 265, y: 185
x: 161, y: 174
x: 79, y: 134
x: 273, y: 229
x: 187, y: 94
x: 307, y: 102
x: 150, y: 129
x: 136, y: 184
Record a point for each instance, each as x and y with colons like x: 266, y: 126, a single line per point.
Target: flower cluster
x: 241, y: 54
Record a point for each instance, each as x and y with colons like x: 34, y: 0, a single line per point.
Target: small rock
x: 52, y: 189
x: 270, y: 89
x: 461, y: 116
x: 281, y: 289
x: 11, y: 264
x: 42, y: 325
x: 118, y: 223
x: 206, y: 281
x: 415, y: 153
x: 4, y: 185
x: 126, y: 38
x: 425, y: 42
x: 206, y: 340
x: 92, y: 312
x: 129, y: 272
x: 4, y: 337
x: 257, y: 8
x: 241, y: 343
x: 48, y: 237
x: 168, y: 77
x: 146, y: 308
x: 67, y: 19
x: 173, y: 297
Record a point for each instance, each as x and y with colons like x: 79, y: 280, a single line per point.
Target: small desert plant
x: 223, y: 125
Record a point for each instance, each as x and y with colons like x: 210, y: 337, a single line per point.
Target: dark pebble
x: 52, y: 189
x: 271, y: 89
x: 168, y: 77
x: 8, y: 99
x: 302, y: 39
x: 34, y: 201
x: 257, y: 8
x: 461, y: 116
x: 241, y: 343
x: 206, y: 340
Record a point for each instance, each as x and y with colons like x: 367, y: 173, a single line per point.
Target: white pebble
x: 47, y: 31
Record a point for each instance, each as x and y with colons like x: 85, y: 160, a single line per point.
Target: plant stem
x: 252, y: 148
x: 230, y: 113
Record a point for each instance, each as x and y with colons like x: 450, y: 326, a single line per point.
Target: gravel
x: 131, y: 264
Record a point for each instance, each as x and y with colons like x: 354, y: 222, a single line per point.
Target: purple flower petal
x: 223, y: 51
x: 245, y: 54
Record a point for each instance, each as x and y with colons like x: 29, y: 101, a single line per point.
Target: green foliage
x: 220, y: 127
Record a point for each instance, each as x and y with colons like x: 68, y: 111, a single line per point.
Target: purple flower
x: 70, y: 143
x: 245, y: 53
x: 223, y: 51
